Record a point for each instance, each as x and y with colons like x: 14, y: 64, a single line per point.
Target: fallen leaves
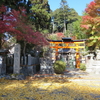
x: 46, y: 89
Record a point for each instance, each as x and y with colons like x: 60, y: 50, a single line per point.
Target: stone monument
x: 16, y: 67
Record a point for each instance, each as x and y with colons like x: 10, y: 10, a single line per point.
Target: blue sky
x: 78, y: 5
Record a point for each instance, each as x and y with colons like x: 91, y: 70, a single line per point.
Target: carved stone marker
x: 16, y: 69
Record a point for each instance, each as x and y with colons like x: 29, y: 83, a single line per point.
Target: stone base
x: 46, y: 70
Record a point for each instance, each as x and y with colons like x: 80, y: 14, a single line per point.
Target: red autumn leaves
x: 16, y: 24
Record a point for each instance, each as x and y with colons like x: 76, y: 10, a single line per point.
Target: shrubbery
x: 59, y: 67
x: 82, y: 66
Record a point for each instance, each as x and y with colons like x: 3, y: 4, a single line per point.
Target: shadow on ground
x: 52, y: 88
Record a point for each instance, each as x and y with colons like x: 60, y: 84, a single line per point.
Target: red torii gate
x: 66, y: 41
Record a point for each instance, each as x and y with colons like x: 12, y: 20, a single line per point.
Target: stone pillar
x: 29, y: 59
x: 30, y: 68
x: 33, y: 63
x: 16, y: 68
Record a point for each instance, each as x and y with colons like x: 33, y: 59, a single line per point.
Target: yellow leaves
x: 47, y: 89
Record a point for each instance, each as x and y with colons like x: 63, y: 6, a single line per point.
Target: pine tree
x: 63, y: 17
x: 40, y: 14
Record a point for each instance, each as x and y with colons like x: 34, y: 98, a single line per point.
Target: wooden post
x: 77, y: 57
x: 56, y: 49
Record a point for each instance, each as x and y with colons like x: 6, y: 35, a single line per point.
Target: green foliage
x: 52, y: 36
x: 70, y: 30
x: 59, y: 67
x: 63, y: 16
x: 15, y: 4
x: 83, y: 66
x: 77, y: 30
x: 40, y: 14
x: 45, y: 31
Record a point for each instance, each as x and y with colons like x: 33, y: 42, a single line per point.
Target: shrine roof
x: 55, y: 40
x: 67, y: 40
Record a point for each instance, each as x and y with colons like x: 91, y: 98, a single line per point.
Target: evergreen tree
x: 64, y: 17
x: 40, y: 14
x: 14, y: 4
